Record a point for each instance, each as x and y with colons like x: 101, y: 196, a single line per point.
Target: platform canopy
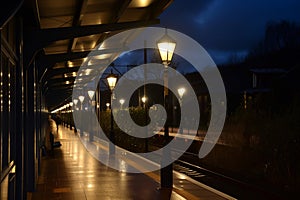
x: 65, y: 32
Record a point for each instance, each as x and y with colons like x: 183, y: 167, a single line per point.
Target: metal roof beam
x: 59, y: 81
x: 53, y: 72
x: 77, y: 21
x: 38, y: 39
x: 8, y: 9
x: 44, y: 37
x: 56, y: 58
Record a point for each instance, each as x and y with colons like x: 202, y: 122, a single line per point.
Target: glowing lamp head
x: 166, y: 46
x: 111, y: 80
x: 144, y: 99
x: 75, y: 101
x: 122, y: 101
x: 181, y: 92
x: 81, y: 98
x: 91, y: 94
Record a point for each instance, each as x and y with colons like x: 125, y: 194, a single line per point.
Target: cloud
x: 228, y: 25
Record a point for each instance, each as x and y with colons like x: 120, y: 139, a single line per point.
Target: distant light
x: 70, y: 64
x: 81, y: 98
x: 91, y: 94
x: 144, y: 99
x: 75, y: 101
x: 181, y: 92
x: 122, y: 101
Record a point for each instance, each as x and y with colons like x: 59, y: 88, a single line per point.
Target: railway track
x: 220, y: 182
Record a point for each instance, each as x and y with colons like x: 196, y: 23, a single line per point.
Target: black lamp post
x: 181, y: 92
x: 166, y: 46
x: 91, y: 94
x: 71, y: 110
x: 144, y: 100
x: 81, y: 99
x: 75, y: 102
x: 112, y: 80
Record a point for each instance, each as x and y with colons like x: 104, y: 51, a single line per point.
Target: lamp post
x: 111, y: 80
x: 122, y: 101
x: 107, y: 106
x: 81, y: 99
x: 75, y: 101
x: 181, y: 92
x: 166, y: 46
x: 144, y: 100
x: 71, y: 110
x: 91, y: 94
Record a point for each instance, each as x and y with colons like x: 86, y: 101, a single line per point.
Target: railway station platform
x: 73, y: 173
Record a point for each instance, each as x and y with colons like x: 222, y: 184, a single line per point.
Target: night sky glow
x: 226, y: 27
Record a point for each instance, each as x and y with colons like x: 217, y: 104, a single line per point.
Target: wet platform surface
x: 73, y: 173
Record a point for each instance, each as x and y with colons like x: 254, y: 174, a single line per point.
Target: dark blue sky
x: 225, y: 27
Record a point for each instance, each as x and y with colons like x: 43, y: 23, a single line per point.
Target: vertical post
x: 112, y: 80
x: 166, y: 173
x: 166, y: 46
x: 145, y: 107
x: 112, y: 134
x: 29, y: 127
x: 71, y: 114
x: 91, y: 133
x: 19, y: 112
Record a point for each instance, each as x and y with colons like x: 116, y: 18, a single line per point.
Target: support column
x: 166, y: 173
x: 29, y: 130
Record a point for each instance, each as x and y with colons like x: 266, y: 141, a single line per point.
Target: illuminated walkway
x: 72, y: 173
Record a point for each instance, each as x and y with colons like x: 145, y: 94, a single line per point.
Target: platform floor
x: 72, y: 173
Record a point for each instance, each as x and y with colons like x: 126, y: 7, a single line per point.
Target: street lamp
x: 107, y: 105
x: 71, y: 110
x: 111, y: 80
x: 91, y: 95
x: 181, y: 92
x: 81, y: 99
x: 75, y: 101
x: 166, y: 46
x: 122, y: 101
x: 144, y: 99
